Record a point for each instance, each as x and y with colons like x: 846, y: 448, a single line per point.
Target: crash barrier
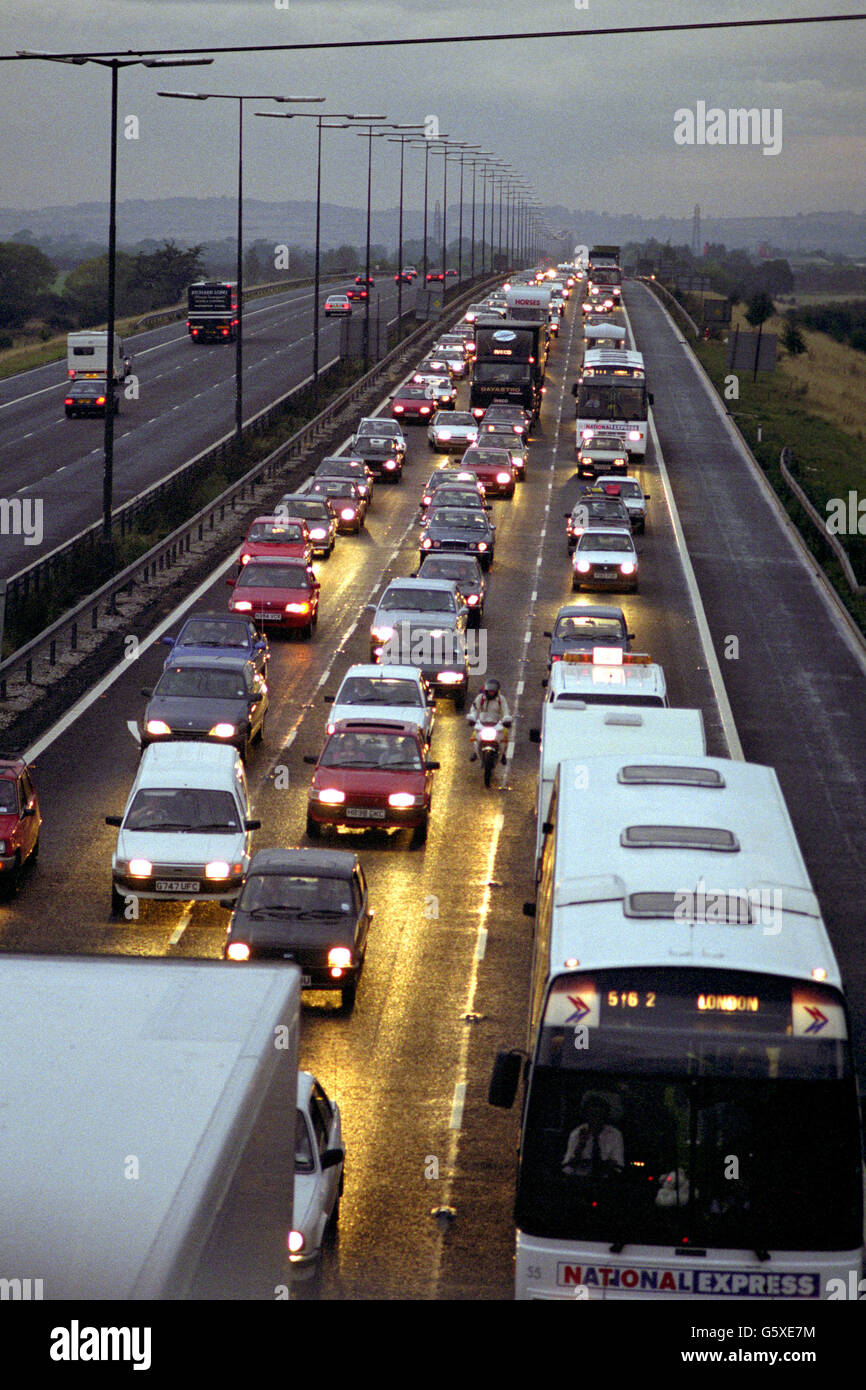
x: 786, y: 460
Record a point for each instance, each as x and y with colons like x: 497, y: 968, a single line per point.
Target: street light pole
x: 114, y: 64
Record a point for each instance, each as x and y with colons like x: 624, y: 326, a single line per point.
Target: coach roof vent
x: 661, y: 775
x: 679, y: 837
x: 719, y: 908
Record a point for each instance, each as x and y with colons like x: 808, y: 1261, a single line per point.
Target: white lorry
x: 87, y: 356
x: 580, y: 730
x: 131, y: 1093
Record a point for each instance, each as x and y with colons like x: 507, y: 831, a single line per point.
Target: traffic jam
x: 187, y: 833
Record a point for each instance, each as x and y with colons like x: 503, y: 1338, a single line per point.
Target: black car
x: 467, y: 575
x: 351, y: 466
x: 456, y: 495
x: 594, y: 509
x: 580, y: 627
x: 220, y: 700
x: 458, y: 528
x: 87, y: 398
x: 305, y: 906
x: 382, y: 459
x: 321, y: 522
x: 204, y: 635
x: 502, y: 419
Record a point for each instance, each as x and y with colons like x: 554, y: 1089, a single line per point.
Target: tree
x: 86, y: 288
x: 25, y: 274
x: 252, y: 266
x: 792, y: 338
x: 760, y: 308
x: 159, y: 278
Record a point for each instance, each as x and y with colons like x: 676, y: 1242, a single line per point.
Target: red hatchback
x: 20, y: 820
x: 276, y: 536
x: 371, y: 775
x: 493, y: 468
x: 413, y: 404
x: 277, y: 593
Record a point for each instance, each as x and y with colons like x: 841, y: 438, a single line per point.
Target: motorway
x: 446, y: 976
x: 186, y: 401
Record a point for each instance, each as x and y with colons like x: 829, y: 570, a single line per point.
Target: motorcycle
x: 488, y: 741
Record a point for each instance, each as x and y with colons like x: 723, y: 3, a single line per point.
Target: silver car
x: 452, y: 430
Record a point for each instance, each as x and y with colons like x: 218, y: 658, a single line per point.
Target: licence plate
x: 306, y: 980
x: 365, y: 813
x: 177, y: 885
x: 269, y: 617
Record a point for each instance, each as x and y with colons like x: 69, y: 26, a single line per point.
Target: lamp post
x: 479, y: 159
x: 344, y: 118
x: 401, y: 140
x: 240, y: 98
x: 114, y: 64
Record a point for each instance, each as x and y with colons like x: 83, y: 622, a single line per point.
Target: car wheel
x: 314, y: 830
x: 10, y: 882
x: 307, y: 631
x: 347, y: 996
x: 460, y: 701
x: 334, y: 1219
x: 34, y: 853
x: 419, y: 834
x: 260, y: 736
x: 575, y: 584
x: 118, y: 903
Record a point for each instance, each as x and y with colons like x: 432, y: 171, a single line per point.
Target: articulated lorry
x: 212, y: 309
x: 131, y: 1092
x: 510, y: 360
x: 604, y: 270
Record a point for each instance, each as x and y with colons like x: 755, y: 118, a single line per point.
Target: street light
x: 479, y: 159
x: 319, y: 117
x: 401, y: 139
x: 114, y: 64
x: 240, y: 98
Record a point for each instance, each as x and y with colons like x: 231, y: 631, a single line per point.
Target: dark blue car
x: 231, y: 634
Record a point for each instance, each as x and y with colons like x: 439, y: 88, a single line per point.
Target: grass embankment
x: 816, y: 404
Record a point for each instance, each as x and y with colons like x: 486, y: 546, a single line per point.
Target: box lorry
x: 133, y: 1092
x: 510, y: 358
x: 212, y: 309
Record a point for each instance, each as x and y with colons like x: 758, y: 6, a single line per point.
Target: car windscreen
x: 202, y: 683
x: 378, y: 690
x: 305, y: 895
x: 462, y: 573
x: 275, y: 533
x: 611, y: 540
x: 385, y: 751
x: 335, y: 487
x: 257, y: 576
x: 377, y: 427
x: 460, y: 517
x: 503, y: 373
x: 304, y: 1162
x: 214, y: 632
x: 8, y: 798
x: 418, y: 601
x: 598, y: 629
x: 598, y: 402
x: 309, y: 511
x: 185, y: 809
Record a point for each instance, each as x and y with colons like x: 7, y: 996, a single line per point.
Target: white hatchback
x: 318, y: 1186
x: 384, y: 691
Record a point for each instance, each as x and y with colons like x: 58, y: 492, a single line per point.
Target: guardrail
x: 66, y: 632
x: 674, y: 302
x: 180, y: 310
x: 786, y: 458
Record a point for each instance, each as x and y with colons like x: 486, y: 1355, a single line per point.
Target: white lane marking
x: 520, y: 687
x: 481, y: 943
x: 183, y: 922
x: 457, y: 1103
x: 714, y: 670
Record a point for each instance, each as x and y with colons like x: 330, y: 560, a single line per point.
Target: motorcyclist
x: 489, y: 707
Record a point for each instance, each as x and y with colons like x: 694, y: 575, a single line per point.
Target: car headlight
x: 217, y: 868
x: 634, y: 434
x: 241, y: 605
x: 238, y: 950
x: 426, y: 543
x: 140, y: 868
x: 503, y: 477
x: 340, y: 956
x: 331, y: 796
x: 222, y: 731
x: 582, y: 566
x: 318, y: 535
x: 297, y: 608
x: 627, y: 567
x: 443, y: 434
x: 403, y: 800
x: 472, y: 600
x: 157, y: 727
x: 296, y: 1242
x: 347, y: 513
x: 480, y: 545
x: 390, y: 463
x: 381, y: 634
x: 450, y: 678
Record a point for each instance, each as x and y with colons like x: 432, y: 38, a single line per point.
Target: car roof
x: 11, y: 765
x: 183, y: 764
x: 322, y: 863
x: 590, y: 610
x: 441, y: 585
x: 218, y: 661
x: 377, y: 726
x: 211, y: 616
x: 276, y: 516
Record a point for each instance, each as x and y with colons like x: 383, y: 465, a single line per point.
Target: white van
x: 606, y: 676
x: 580, y: 730
x: 186, y: 830
x: 87, y: 355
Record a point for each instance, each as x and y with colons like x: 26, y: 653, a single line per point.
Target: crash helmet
x: 491, y: 688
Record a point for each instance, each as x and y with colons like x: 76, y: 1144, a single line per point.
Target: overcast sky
x: 588, y: 123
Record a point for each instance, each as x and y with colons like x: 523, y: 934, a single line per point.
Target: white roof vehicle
x: 605, y: 557
x: 380, y: 692
x: 606, y: 677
